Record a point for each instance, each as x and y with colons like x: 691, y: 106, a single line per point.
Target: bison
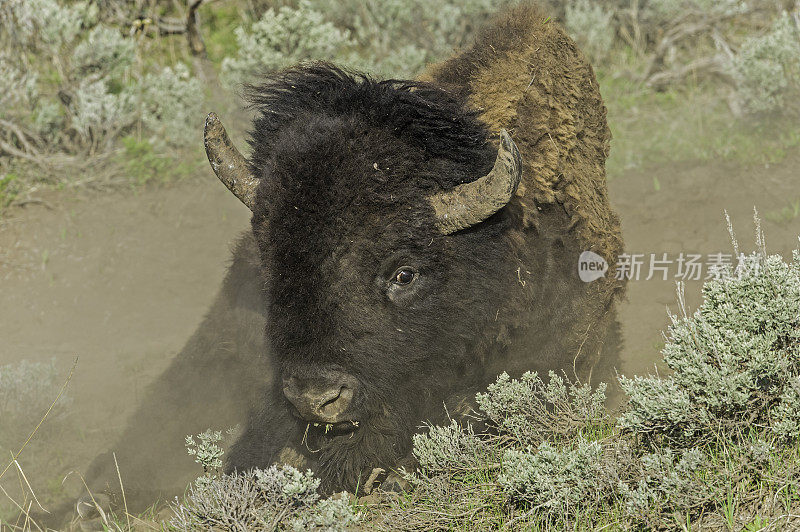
x: 404, y: 251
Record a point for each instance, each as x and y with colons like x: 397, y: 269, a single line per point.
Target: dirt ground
x: 687, y: 215
x: 120, y: 280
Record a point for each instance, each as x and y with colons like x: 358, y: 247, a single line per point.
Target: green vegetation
x: 75, y: 85
x: 683, y: 80
x: 277, y: 498
x: 8, y: 190
x: 786, y: 214
x: 690, y: 123
x: 143, y: 164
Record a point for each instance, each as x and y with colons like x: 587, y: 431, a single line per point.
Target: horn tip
x: 505, y: 139
x: 508, y: 145
x: 212, y: 121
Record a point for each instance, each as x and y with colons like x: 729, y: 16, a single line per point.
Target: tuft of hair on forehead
x: 421, y: 114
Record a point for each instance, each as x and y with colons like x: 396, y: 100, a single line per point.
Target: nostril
x: 337, y: 403
x: 334, y: 397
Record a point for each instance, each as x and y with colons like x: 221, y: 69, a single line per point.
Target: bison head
x: 378, y: 209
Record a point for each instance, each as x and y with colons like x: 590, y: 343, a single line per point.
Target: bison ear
x: 230, y: 166
x: 471, y: 203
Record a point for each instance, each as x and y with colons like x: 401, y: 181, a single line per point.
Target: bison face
x: 380, y: 284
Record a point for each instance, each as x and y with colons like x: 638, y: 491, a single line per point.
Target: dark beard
x: 344, y: 462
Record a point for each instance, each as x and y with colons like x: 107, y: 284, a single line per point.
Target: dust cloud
x: 119, y: 281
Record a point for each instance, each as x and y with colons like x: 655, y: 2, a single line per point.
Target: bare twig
x: 371, y: 480
x: 196, y: 44
x: 691, y: 24
x: 34, y: 201
x: 11, y: 150
x: 21, y: 135
x: 122, y: 489
x: 189, y: 26
x: 30, y: 488
x: 708, y: 66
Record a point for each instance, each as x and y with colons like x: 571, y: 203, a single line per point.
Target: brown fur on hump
x: 526, y: 75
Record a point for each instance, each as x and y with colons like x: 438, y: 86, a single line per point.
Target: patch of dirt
x: 680, y: 209
x: 121, y: 280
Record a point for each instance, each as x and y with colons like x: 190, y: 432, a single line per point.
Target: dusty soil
x: 686, y: 215
x: 121, y: 280
x: 118, y: 280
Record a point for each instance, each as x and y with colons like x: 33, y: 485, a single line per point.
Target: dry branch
x: 24, y: 138
x: 715, y: 65
x: 684, y: 31
x: 189, y: 26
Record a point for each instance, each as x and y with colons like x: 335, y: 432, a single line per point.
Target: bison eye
x: 404, y: 276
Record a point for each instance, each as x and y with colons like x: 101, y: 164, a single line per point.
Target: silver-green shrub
x: 449, y: 448
x: 785, y: 421
x: 104, y: 52
x: 767, y: 68
x: 556, y: 480
x: 591, y: 25
x: 97, y: 114
x: 75, y: 86
x: 666, y: 480
x: 394, y: 38
x: 48, y: 119
x: 735, y: 361
x: 207, y: 452
x: 283, y: 37
x: 46, y: 24
x: 661, y: 398
x: 530, y: 410
x: 18, y: 88
x: 328, y: 515
x: 276, y: 498
x: 398, y: 37
x: 171, y: 104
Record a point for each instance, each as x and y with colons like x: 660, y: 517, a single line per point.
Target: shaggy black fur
x: 425, y: 117
x: 345, y: 164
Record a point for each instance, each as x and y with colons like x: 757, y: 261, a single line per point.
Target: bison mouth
x: 317, y: 435
x: 332, y: 429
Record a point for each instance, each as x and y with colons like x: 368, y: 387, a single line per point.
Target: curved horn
x: 230, y: 166
x: 471, y: 203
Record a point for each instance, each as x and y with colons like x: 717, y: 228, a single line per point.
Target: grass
x: 219, y: 23
x: 143, y: 165
x: 692, y: 123
x: 9, y: 189
x: 786, y: 214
